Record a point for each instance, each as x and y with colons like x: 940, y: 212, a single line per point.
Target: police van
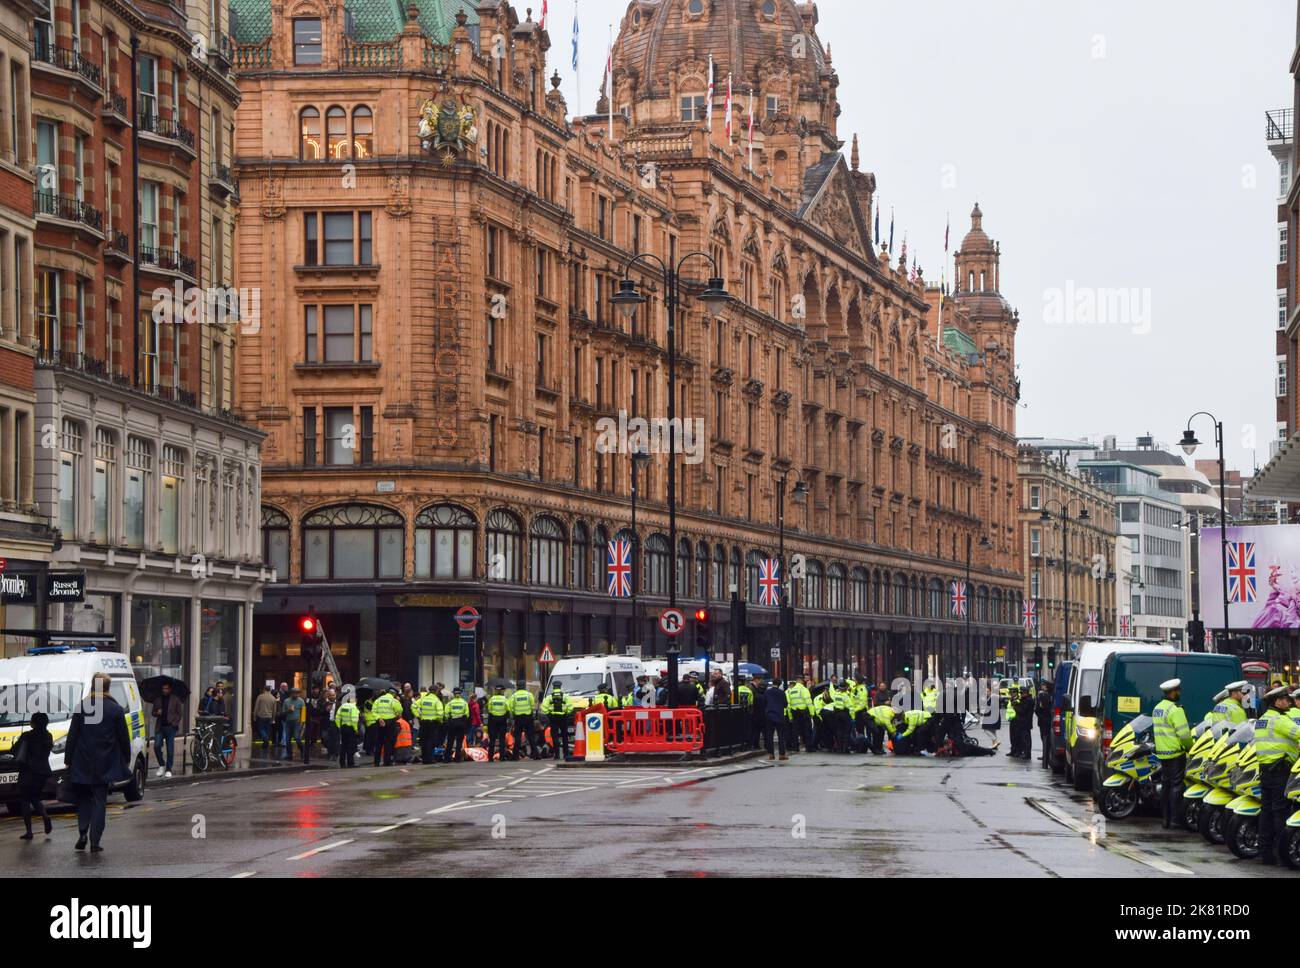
x: 581, y: 676
x: 54, y: 680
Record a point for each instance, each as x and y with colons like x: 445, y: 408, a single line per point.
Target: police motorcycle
x: 1289, y: 850
x: 1206, y: 737
x: 1217, y: 772
x: 1241, y: 827
x: 1135, y: 778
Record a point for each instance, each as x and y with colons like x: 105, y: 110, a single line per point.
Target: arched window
x: 363, y: 132
x: 936, y: 599
x: 835, y: 588
x: 309, y: 128
x: 859, y: 595
x: 733, y: 576
x: 878, y: 603
x: 275, y: 541
x: 900, y: 595
x: 546, y: 552
x: 600, y: 557
x: 503, y: 545
x: 684, y: 568
x: 352, y: 542
x: 336, y: 132
x: 702, y: 571
x: 656, y: 565
x: 982, y: 612
x: 719, y: 577
x: 444, y: 542
x: 580, y: 557
x: 998, y: 615
x: 752, y: 563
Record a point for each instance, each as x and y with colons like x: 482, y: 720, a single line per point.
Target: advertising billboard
x: 1263, y: 577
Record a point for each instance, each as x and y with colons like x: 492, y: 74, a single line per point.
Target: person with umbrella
x: 168, y: 711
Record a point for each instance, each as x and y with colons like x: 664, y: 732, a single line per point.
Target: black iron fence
x: 727, y: 729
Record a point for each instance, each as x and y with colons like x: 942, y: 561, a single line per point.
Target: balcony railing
x: 68, y: 60
x: 166, y: 128
x: 118, y: 244
x: 69, y: 208
x: 1279, y: 125
x: 84, y: 363
x: 437, y: 57
x: 369, y: 56
x: 252, y: 56
x: 115, y: 103
x: 166, y: 259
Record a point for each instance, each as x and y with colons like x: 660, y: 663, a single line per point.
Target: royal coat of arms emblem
x: 448, y: 126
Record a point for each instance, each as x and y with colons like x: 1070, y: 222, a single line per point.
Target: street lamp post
x: 970, y: 645
x: 1083, y: 515
x: 786, y: 600
x: 628, y: 299
x: 1189, y: 444
x: 638, y: 458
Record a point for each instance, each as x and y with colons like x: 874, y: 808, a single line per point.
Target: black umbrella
x: 151, y: 688
x: 819, y: 687
x: 502, y: 682
x: 373, y: 686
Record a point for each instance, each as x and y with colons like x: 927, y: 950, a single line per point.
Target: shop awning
x: 1279, y: 479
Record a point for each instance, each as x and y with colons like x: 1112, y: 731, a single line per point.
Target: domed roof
x: 656, y: 35
x: 976, y: 240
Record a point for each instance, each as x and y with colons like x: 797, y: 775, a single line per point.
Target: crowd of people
x: 407, y: 724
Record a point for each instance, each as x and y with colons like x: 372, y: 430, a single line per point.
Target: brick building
x: 151, y: 483
x: 440, y: 363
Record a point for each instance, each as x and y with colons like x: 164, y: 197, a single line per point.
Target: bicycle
x: 214, y: 744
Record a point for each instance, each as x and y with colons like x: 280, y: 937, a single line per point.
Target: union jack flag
x: 1029, y: 615
x: 1124, y: 624
x: 958, y: 599
x: 1242, y: 583
x: 769, y: 582
x: 619, y: 565
x: 1093, y: 624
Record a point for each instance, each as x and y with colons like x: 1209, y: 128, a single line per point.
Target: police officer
x: 387, y: 709
x: 913, y: 733
x: 346, y: 718
x: 456, y: 714
x: 428, y: 709
x: 881, y: 721
x: 605, y: 696
x: 558, y: 710
x: 498, y: 722
x: 1043, y: 711
x: 799, y: 707
x: 1173, y: 740
x: 643, y: 696
x: 523, y: 707
x: 1233, y: 708
x: 1277, y: 743
x: 368, y: 718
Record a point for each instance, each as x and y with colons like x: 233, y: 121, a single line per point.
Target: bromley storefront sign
x: 60, y: 586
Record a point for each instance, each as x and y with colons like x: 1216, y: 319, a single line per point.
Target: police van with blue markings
x: 54, y: 679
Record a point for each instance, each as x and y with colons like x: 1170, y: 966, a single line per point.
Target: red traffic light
x: 308, y: 624
x: 701, y: 615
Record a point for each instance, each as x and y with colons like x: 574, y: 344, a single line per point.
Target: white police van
x: 55, y: 679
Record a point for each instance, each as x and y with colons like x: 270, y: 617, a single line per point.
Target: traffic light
x: 1051, y: 657
x: 907, y: 666
x: 310, y: 641
x: 1038, y: 657
x: 703, y: 632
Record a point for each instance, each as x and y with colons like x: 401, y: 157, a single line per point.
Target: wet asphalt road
x: 815, y: 815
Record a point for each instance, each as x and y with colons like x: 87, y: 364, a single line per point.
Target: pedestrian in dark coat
x: 1043, y: 711
x: 32, y: 756
x: 98, y: 756
x: 773, y: 706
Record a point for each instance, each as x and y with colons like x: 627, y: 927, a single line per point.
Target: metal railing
x: 167, y: 128
x: 69, y: 208
x: 116, y: 103
x: 67, y: 59
x: 727, y: 729
x: 118, y: 242
x: 1279, y: 124
x: 166, y: 259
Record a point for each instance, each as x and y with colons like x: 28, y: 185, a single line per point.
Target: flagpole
x: 577, y: 72
x: 609, y: 83
x: 751, y: 129
x: 708, y: 107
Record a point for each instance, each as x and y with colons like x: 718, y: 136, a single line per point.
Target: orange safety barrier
x: 654, y: 730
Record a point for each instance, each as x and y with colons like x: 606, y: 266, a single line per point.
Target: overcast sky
x: 1117, y: 150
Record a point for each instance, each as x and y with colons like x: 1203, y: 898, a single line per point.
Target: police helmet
x: 1279, y: 693
x: 1169, y: 685
x: 1241, y: 685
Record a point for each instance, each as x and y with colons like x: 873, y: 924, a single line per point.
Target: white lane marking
x: 1110, y: 844
x: 468, y: 805
x: 394, y: 826
x: 235, y: 877
x: 320, y: 850
x: 300, y: 789
x: 560, y: 793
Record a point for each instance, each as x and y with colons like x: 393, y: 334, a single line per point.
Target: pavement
x: 754, y: 818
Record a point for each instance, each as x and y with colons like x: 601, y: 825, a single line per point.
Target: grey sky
x: 1111, y: 146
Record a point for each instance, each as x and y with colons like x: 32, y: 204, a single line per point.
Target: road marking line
x: 235, y: 877
x: 468, y: 805
x: 560, y: 793
x: 403, y: 823
x: 1114, y: 846
x: 320, y: 850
